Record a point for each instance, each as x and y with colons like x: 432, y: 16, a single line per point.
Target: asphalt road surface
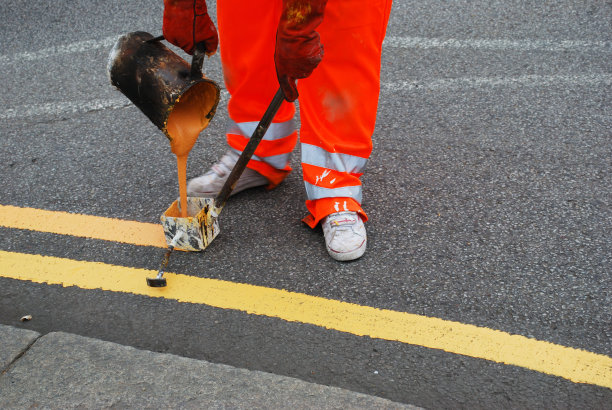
x: 489, y: 193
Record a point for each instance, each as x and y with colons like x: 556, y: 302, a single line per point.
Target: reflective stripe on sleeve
x: 317, y: 192
x: 313, y: 155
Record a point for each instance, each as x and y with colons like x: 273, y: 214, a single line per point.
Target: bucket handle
x: 197, y: 60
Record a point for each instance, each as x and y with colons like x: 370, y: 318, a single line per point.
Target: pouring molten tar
x: 184, y: 125
x: 174, y: 95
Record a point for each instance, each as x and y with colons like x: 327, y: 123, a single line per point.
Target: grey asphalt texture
x: 489, y: 192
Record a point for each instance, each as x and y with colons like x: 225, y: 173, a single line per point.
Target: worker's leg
x: 247, y: 32
x: 338, y: 105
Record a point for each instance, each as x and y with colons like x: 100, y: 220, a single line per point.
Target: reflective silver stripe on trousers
x: 277, y: 161
x: 317, y: 192
x: 276, y: 131
x: 317, y: 156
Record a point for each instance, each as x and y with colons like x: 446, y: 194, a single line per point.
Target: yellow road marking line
x: 87, y: 226
x: 577, y: 365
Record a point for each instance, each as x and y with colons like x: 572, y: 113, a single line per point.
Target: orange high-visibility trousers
x: 338, y: 102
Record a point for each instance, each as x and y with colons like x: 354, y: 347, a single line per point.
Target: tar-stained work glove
x: 298, y: 45
x: 187, y: 23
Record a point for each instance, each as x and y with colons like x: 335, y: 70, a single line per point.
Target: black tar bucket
x: 154, y: 78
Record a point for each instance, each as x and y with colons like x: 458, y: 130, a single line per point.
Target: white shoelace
x: 342, y: 219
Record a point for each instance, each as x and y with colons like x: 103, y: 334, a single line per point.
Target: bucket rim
x: 182, y: 92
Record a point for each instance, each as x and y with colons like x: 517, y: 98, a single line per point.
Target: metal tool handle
x: 197, y: 59
x: 248, y: 151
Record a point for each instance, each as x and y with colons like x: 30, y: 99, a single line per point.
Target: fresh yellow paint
x: 577, y: 365
x: 86, y: 226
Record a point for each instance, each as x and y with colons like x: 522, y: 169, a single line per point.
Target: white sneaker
x: 345, y: 235
x: 210, y: 183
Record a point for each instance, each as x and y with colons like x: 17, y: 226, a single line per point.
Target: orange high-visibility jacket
x: 338, y: 102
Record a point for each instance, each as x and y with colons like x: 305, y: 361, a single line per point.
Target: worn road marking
x: 497, y: 44
x: 482, y: 82
x: 577, y: 365
x: 46, y: 53
x: 86, y: 226
x: 390, y: 41
x: 71, y: 107
x: 63, y: 108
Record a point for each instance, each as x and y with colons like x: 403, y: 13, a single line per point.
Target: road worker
x: 333, y: 47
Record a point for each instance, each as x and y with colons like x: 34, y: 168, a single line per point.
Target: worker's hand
x: 298, y: 45
x: 180, y: 19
